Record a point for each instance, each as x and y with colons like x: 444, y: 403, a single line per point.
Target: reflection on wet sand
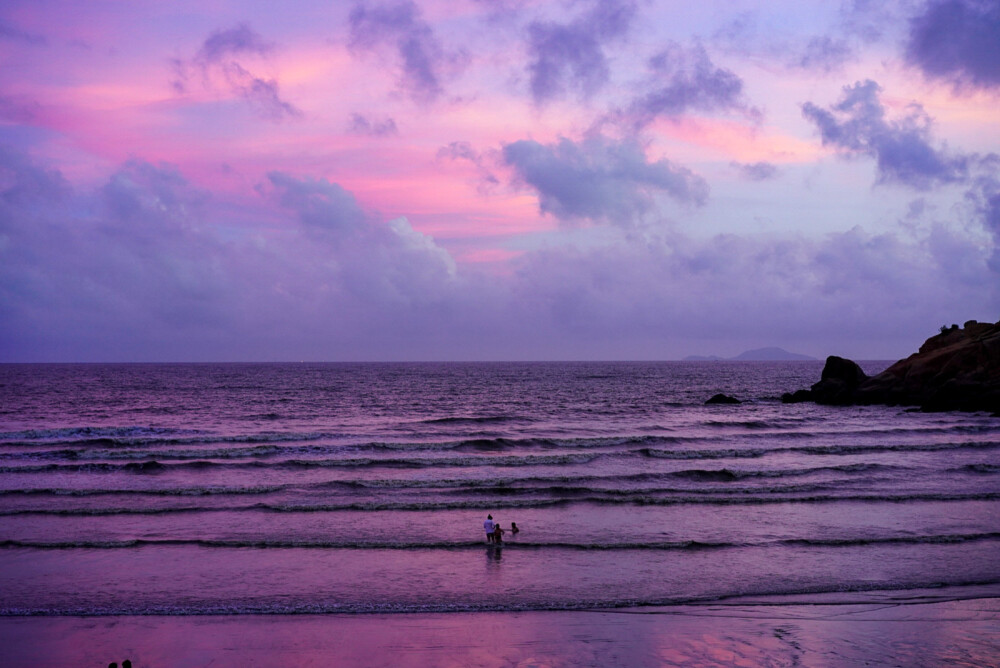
x: 935, y: 633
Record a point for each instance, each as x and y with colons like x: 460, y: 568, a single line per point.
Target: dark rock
x: 843, y: 370
x: 840, y: 378
x: 958, y: 369
x: 796, y: 397
x: 723, y: 399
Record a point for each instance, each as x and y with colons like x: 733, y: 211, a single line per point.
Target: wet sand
x: 938, y: 633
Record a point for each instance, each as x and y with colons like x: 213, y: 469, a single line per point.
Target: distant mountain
x: 770, y: 354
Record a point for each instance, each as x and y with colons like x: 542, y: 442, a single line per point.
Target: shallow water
x: 300, y: 488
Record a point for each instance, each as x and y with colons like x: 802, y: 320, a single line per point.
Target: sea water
x: 356, y: 488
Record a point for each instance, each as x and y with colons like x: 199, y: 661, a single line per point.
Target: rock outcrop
x: 722, y: 399
x: 958, y: 369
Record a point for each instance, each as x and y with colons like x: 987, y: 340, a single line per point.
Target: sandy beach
x: 934, y: 633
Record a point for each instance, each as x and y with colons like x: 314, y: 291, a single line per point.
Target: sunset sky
x: 494, y: 179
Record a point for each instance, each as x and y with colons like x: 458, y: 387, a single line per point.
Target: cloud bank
x: 512, y: 179
x: 136, y: 264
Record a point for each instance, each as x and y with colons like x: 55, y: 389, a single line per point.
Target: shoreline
x: 949, y: 631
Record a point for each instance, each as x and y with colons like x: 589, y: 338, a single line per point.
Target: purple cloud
x: 422, y: 57
x: 138, y: 270
x: 24, y: 183
x: 240, y: 40
x: 219, y: 54
x: 18, y: 109
x: 740, y: 287
x: 486, y: 180
x: 958, y: 41
x: 261, y: 94
x: 362, y: 125
x: 757, y: 171
x: 825, y: 54
x: 857, y: 125
x: 869, y: 20
x: 319, y: 203
x: 140, y: 193
x: 13, y: 33
x: 599, y: 179
x: 570, y: 56
x: 984, y: 196
x: 111, y: 270
x: 377, y: 267
x: 141, y: 264
x: 686, y: 80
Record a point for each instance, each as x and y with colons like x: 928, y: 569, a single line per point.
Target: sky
x: 494, y: 179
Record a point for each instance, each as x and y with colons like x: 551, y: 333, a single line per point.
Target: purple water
x: 298, y: 488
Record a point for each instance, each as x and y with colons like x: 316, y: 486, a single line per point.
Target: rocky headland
x: 958, y: 369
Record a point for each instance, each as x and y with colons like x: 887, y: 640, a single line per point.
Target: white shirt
x: 488, y: 525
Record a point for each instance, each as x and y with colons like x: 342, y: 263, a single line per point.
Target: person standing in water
x: 497, y: 533
x: 489, y: 526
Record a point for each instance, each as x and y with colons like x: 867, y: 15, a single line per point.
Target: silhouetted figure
x: 489, y: 526
x: 127, y: 663
x: 113, y: 664
x: 513, y: 527
x: 497, y: 534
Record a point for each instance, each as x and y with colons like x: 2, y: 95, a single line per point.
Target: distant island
x: 770, y: 354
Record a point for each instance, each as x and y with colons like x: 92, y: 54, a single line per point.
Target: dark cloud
x: 686, y: 80
x: 240, y: 40
x: 220, y: 55
x: 857, y: 125
x: 599, y: 179
x: 757, y: 171
x: 423, y: 59
x: 570, y: 56
x: 959, y: 41
x: 362, y: 125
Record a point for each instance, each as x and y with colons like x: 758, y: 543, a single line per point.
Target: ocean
x: 289, y: 489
